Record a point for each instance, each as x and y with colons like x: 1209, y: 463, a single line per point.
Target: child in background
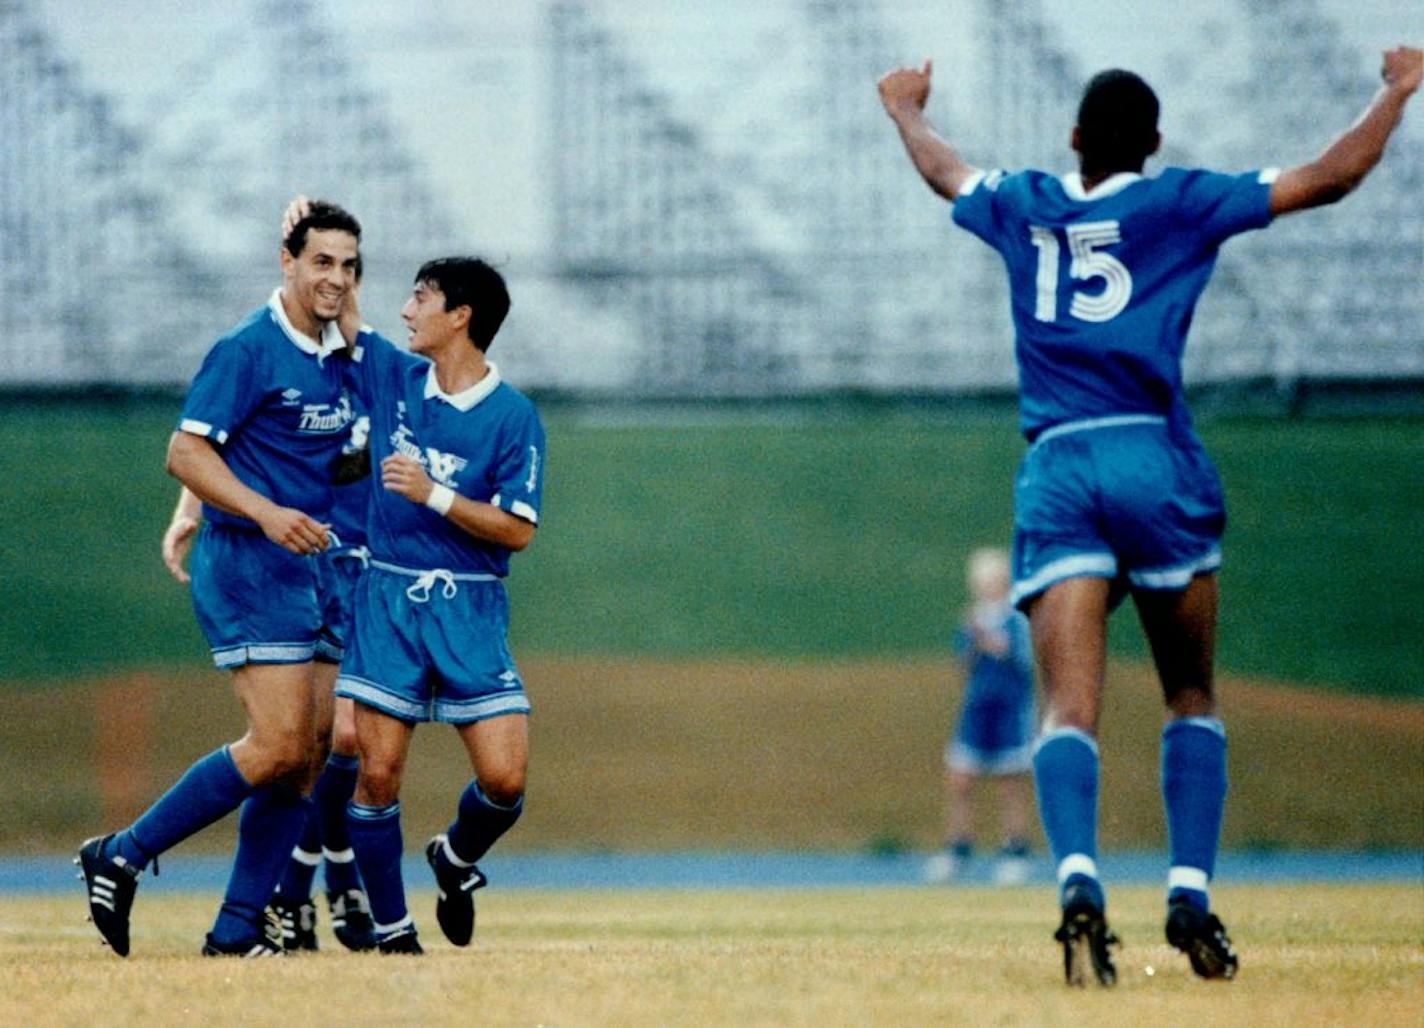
x: 994, y: 736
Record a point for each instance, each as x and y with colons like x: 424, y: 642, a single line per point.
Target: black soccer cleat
x: 1086, y: 939
x: 1202, y: 937
x: 455, y: 903
x: 111, y: 883
x: 351, y: 919
x: 257, y: 946
x: 297, y: 921
x: 403, y: 943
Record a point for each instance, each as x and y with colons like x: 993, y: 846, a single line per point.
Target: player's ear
x: 1156, y: 144
x: 1075, y: 140
x: 460, y: 317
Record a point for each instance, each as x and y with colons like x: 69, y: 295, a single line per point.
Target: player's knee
x: 343, y: 737
x: 378, y: 783
x: 504, y: 787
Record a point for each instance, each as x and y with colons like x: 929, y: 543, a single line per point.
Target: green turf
x: 825, y: 533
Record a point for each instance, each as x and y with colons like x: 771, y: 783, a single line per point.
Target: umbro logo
x: 510, y: 679
x: 291, y: 396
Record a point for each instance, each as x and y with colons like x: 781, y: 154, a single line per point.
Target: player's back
x: 1103, y: 283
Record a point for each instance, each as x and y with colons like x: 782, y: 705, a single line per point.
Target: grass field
x: 1322, y: 955
x: 648, y: 753
x: 838, y: 533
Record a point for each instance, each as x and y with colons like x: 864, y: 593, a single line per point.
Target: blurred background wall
x: 695, y: 199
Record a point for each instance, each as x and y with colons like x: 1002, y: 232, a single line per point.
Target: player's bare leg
x: 1069, y: 627
x: 498, y: 748
x: 1181, y: 628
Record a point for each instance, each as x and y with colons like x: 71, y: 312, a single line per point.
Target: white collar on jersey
x: 330, y: 342
x: 466, y: 398
x: 1073, y: 185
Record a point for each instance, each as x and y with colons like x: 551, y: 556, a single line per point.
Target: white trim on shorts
x: 1014, y: 761
x: 263, y: 653
x: 1078, y: 565
x: 1090, y: 424
x: 1178, y: 576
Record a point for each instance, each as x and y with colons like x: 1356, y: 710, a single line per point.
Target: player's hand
x: 904, y: 88
x: 1403, y: 68
x: 298, y: 209
x: 405, y: 477
x: 349, y: 318
x: 292, y: 530
x: 177, y: 541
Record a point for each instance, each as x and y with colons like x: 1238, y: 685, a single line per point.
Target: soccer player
x: 994, y: 734
x: 1115, y: 493
x: 264, y: 417
x: 460, y: 454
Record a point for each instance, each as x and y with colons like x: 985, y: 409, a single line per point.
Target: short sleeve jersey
x: 486, y: 444
x: 1103, y: 285
x: 276, y: 407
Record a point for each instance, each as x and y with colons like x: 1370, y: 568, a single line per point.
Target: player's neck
x: 1091, y: 178
x: 301, y: 319
x: 458, y: 367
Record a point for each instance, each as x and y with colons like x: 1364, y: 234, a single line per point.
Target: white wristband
x: 440, y: 499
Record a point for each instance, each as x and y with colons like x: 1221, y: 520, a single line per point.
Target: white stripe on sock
x: 306, y: 857
x: 387, y: 929
x: 1077, y: 864
x: 1187, y: 878
x: 450, y: 855
x: 339, y: 856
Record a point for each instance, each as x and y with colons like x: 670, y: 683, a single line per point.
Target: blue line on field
x: 763, y: 870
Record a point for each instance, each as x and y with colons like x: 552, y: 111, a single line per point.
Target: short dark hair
x: 1117, y: 121
x: 470, y: 282
x: 321, y: 214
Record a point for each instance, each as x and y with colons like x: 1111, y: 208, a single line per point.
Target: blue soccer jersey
x: 1103, y: 284
x: 486, y: 444
x: 276, y: 407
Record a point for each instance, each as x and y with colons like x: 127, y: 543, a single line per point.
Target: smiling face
x: 315, y: 283
x: 432, y: 327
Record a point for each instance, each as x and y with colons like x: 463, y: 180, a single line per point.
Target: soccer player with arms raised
x: 264, y: 418
x: 1115, y: 494
x: 460, y: 456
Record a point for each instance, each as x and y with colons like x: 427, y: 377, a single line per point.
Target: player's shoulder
x: 511, y: 402
x: 248, y: 337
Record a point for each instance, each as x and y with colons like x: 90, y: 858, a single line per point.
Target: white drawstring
x: 420, y: 591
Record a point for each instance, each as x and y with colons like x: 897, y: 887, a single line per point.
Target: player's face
x: 318, y: 281
x: 431, y: 326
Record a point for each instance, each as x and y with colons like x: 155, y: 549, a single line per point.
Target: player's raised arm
x: 903, y: 93
x: 1359, y: 148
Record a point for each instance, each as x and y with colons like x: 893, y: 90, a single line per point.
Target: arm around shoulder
x: 1347, y: 160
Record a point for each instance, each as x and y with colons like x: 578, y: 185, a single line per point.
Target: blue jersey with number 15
x: 1103, y: 285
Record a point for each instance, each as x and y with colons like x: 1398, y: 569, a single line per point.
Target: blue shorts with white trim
x: 1127, y: 498
x: 431, y: 646
x: 256, y: 603
x: 992, y: 737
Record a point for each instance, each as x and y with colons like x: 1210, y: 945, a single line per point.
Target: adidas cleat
x: 255, y: 947
x: 1086, y: 939
x: 351, y: 919
x: 455, y: 902
x: 111, y: 883
x: 1202, y: 937
x: 297, y: 923
x: 402, y: 943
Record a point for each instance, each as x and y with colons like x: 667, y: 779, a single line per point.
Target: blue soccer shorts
x: 256, y: 603
x: 341, y: 568
x: 992, y: 737
x: 1127, y: 498
x: 431, y: 646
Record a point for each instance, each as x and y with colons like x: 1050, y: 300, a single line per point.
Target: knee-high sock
x: 332, y: 793
x: 1065, y: 774
x: 301, y: 866
x: 1194, y: 793
x: 376, y: 838
x: 209, y: 790
x: 268, y: 828
x: 479, y: 822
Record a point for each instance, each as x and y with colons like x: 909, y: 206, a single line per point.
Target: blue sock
x: 376, y: 838
x: 332, y: 793
x: 1194, y: 791
x: 1065, y: 774
x: 301, y: 866
x: 208, y: 791
x: 267, y: 829
x: 479, y: 822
